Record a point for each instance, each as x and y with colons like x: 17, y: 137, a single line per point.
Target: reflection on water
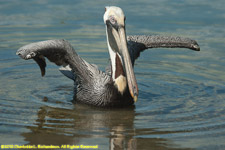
x: 181, y: 103
x: 57, y: 126
x: 75, y: 127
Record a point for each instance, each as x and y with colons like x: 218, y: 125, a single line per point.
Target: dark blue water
x: 181, y: 103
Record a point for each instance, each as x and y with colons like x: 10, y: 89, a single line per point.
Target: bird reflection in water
x: 88, y: 125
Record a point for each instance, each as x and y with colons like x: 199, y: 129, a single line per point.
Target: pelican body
x: 117, y: 86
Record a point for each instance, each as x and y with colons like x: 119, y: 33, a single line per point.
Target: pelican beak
x: 131, y: 80
x: 114, y: 19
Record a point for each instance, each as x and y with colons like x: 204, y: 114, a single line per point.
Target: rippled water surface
x: 182, y: 93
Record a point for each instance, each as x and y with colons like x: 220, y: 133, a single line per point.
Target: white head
x: 114, y: 12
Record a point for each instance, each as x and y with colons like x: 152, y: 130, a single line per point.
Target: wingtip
x: 196, y: 47
x: 19, y: 52
x: 193, y: 45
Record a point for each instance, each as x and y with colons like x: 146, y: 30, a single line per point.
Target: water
x: 182, y: 92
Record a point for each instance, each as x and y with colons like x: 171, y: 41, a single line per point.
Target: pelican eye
x: 112, y: 20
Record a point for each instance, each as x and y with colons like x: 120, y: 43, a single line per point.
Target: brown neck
x: 120, y: 79
x: 119, y: 67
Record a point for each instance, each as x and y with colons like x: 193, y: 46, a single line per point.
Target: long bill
x: 132, y: 83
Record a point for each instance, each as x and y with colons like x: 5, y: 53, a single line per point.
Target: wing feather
x: 59, y: 52
x: 139, y: 43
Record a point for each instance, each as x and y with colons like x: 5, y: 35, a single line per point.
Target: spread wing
x: 139, y: 43
x: 58, y: 51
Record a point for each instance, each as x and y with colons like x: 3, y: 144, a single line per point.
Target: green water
x: 181, y: 101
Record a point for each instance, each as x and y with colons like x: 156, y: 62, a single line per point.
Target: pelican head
x: 122, y: 69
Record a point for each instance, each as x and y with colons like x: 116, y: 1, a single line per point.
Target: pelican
x: 117, y: 86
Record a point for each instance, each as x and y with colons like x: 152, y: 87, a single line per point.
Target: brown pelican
x: 117, y: 86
